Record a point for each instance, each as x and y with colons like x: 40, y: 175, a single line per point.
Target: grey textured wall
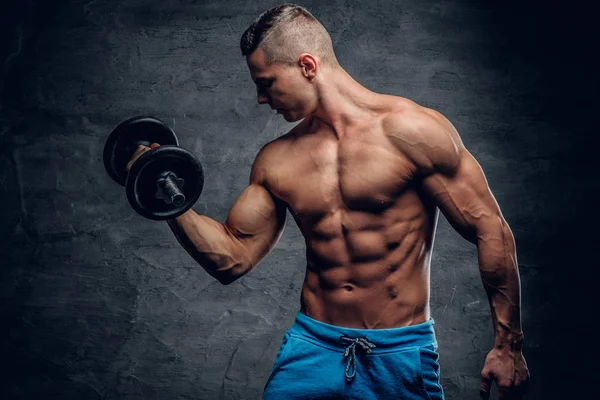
x: 99, y: 303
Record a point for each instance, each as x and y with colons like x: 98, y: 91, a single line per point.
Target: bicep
x: 256, y: 221
x: 463, y: 196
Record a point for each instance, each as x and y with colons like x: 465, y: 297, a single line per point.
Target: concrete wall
x: 99, y: 303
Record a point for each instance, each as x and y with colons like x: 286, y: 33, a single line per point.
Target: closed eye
x: 264, y: 83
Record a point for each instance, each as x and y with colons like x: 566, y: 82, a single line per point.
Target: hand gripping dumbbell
x: 162, y: 183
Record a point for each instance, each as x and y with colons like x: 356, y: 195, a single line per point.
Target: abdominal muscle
x: 361, y: 280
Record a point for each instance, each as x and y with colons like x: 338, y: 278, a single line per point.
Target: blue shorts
x: 322, y: 361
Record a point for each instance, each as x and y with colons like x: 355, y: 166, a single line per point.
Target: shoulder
x: 267, y: 159
x: 424, y: 136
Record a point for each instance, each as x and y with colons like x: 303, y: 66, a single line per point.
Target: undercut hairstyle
x: 286, y: 31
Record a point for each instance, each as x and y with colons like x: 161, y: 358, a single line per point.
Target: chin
x: 290, y: 118
x: 293, y: 117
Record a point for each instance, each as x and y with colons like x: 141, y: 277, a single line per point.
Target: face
x: 282, y: 87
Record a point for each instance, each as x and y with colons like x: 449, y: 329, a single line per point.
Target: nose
x: 261, y: 95
x: 262, y: 98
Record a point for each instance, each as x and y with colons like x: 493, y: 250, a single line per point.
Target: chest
x: 320, y: 174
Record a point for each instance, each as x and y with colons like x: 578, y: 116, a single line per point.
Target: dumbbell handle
x: 170, y: 186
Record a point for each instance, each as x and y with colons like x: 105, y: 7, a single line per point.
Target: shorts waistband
x: 417, y: 335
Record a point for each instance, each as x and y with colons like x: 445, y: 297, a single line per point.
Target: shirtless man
x: 363, y: 174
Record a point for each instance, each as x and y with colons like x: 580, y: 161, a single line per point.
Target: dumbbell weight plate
x: 125, y: 138
x: 141, y: 183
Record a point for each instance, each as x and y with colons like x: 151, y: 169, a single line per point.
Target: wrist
x: 512, y: 341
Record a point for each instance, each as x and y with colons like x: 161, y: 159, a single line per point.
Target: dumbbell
x: 162, y: 183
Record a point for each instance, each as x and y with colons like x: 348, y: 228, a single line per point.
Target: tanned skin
x: 363, y: 175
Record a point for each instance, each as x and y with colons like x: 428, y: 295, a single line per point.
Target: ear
x: 308, y: 64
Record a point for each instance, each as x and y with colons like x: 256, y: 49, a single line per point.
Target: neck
x: 341, y: 100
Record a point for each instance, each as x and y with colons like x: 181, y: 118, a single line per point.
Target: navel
x: 392, y: 292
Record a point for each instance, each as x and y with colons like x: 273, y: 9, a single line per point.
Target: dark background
x: 99, y: 303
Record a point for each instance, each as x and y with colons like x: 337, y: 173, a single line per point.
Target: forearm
x: 210, y: 244
x: 500, y: 275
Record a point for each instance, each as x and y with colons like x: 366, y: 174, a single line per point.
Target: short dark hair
x: 286, y: 31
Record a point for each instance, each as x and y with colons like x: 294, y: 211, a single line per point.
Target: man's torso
x: 367, y: 224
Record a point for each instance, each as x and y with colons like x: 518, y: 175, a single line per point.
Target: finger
x: 503, y: 393
x: 520, y: 385
x: 509, y: 392
x: 139, y: 150
x: 520, y: 389
x: 484, y: 388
